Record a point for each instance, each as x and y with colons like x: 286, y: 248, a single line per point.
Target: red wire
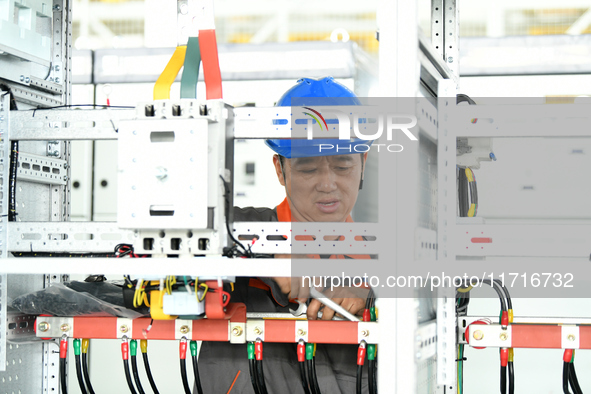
x: 238, y: 374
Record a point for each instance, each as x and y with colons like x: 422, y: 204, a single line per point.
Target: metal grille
x: 427, y: 376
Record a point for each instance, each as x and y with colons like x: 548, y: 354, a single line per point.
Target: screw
x: 123, y: 328
x: 27, y: 80
x: 65, y: 327
x: 258, y: 331
x: 571, y: 337
x: 57, y: 80
x: 184, y: 329
x: 43, y: 326
x: 22, y: 78
x: 365, y: 333
x: 56, y: 68
x: 56, y: 7
x: 184, y: 9
x: 301, y: 332
x: 478, y: 335
x: 503, y: 337
x: 65, y: 178
x: 237, y: 331
x: 161, y: 173
x: 450, y: 59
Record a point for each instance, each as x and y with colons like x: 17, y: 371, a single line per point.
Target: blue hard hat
x: 326, y: 92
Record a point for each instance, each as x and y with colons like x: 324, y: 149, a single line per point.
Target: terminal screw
x: 43, y: 326
x: 184, y: 329
x: 301, y: 332
x: 65, y: 327
x: 571, y: 337
x: 365, y: 333
x: 258, y: 331
x: 503, y: 337
x: 123, y: 328
x: 237, y: 331
x: 478, y: 335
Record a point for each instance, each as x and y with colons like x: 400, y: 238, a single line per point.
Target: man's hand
x: 349, y: 298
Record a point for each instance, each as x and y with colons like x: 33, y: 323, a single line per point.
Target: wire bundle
x: 255, y: 367
x: 82, y: 371
x: 125, y: 356
x: 183, y: 358
x: 569, y: 376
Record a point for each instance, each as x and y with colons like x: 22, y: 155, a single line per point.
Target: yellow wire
x: 469, y: 174
x: 464, y: 289
x: 146, y: 299
x: 204, y: 291
x: 232, y: 285
x: 472, y: 210
x: 196, y: 285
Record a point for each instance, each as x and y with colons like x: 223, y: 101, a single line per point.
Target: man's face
x: 321, y: 189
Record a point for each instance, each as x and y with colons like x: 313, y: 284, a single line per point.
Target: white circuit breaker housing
x: 174, y: 159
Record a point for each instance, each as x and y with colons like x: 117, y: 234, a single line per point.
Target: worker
x: 320, y: 187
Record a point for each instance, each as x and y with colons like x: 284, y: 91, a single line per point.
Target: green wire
x: 461, y: 369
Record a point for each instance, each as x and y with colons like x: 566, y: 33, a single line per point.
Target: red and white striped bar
x: 533, y: 336
x: 234, y: 330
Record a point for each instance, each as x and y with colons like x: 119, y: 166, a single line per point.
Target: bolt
x: 503, y: 337
x: 365, y: 333
x: 237, y: 331
x: 56, y: 7
x: 65, y: 178
x: 478, y: 335
x: 57, y: 80
x: 450, y: 59
x: 123, y: 328
x: 258, y: 331
x: 56, y: 68
x: 66, y: 166
x: 22, y: 78
x: 301, y: 332
x: 571, y: 337
x: 65, y: 327
x: 161, y: 173
x: 27, y: 80
x: 43, y: 326
x: 184, y: 329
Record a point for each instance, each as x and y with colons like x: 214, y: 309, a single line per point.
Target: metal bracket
x: 570, y: 337
x: 237, y: 332
x: 20, y: 327
x: 255, y: 329
x: 58, y: 327
x: 41, y: 169
x: 368, y: 332
x: 301, y: 330
x: 183, y: 329
x: 124, y: 328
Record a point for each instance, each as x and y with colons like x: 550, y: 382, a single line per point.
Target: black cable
x: 371, y: 366
x: 63, y: 376
x: 304, y: 378
x: 79, y: 375
x: 261, y: 376
x: 499, y: 291
x: 128, y: 376
x: 572, y: 378
x: 184, y: 376
x: 253, y: 376
x: 565, y: 377
x: 506, y: 291
x: 12, y: 181
x: 503, y: 380
x: 511, y: 377
x: 136, y: 375
x: 196, y: 373
x: 463, y: 197
x: 85, y: 372
x: 310, y: 377
x: 375, y: 377
x: 359, y: 378
x: 149, y: 373
x: 315, y: 376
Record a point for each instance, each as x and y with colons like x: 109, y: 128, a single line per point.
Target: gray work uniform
x: 219, y: 362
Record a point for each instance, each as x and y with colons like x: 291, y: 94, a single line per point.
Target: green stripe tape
x: 191, y: 69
